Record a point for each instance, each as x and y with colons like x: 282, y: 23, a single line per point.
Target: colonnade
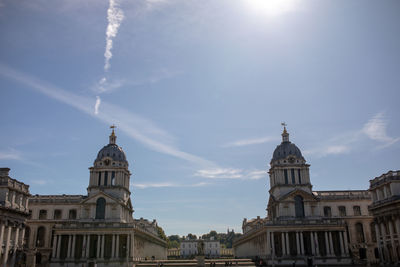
x: 307, y: 243
x: 11, y: 238
x: 387, y: 231
x: 73, y: 246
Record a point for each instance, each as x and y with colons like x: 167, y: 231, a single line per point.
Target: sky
x: 198, y: 91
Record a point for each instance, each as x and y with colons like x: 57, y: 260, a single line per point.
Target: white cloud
x: 327, y: 150
x: 39, y: 182
x: 10, y: 154
x: 97, y: 105
x: 251, y: 141
x: 115, y: 15
x: 135, y: 126
x: 375, y: 129
x: 161, y: 185
x: 230, y: 173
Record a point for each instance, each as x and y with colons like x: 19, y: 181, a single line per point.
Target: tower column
x: 102, y: 246
x: 312, y: 243
x: 328, y: 251
x: 331, y: 243
x: 113, y: 247
x: 59, y: 246
x: 98, y: 246
x: 298, y: 244
x: 287, y: 243
x: 117, y: 247
x: 316, y: 243
x: 73, y: 246
x: 341, y: 243
x: 7, y: 245
x: 283, y: 243
x: 302, y: 243
x: 53, y: 254
x: 84, y: 247
x: 346, y: 248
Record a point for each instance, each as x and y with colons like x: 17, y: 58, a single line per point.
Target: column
x: 133, y: 245
x: 316, y: 243
x: 283, y: 243
x: 287, y: 243
x: 346, y: 243
x: 383, y: 234
x: 1, y: 236
x: 341, y: 243
x: 302, y: 243
x: 16, y: 239
x: 117, y: 247
x: 268, y: 242
x: 7, y: 245
x: 397, y: 222
x: 328, y: 251
x: 22, y: 236
x: 378, y: 240
x: 53, y: 254
x: 84, y: 247
x: 391, y: 233
x: 73, y: 246
x: 69, y: 246
x: 87, y: 246
x: 331, y: 243
x: 312, y: 243
x: 98, y: 245
x: 273, y: 244
x: 113, y: 247
x: 59, y: 246
x: 298, y: 244
x: 102, y: 246
x: 127, y: 245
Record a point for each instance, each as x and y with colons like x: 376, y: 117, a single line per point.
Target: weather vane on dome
x: 113, y: 127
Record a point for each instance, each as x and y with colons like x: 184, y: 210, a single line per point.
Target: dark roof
x: 113, y: 151
x: 285, y: 149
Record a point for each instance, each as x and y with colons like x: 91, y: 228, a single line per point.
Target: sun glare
x: 271, y: 7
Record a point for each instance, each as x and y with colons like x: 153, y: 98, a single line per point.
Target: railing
x: 350, y: 194
x: 389, y: 176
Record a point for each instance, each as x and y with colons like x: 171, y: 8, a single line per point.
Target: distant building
x: 385, y: 209
x: 96, y: 229
x: 190, y: 248
x: 13, y: 214
x: 322, y: 227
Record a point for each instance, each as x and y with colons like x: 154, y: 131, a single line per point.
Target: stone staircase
x: 193, y: 263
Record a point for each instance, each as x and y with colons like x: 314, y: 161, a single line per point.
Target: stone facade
x: 302, y: 225
x: 385, y: 209
x: 190, y: 248
x: 96, y: 229
x: 13, y: 214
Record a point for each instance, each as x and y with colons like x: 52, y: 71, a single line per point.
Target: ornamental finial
x: 285, y: 134
x: 113, y: 137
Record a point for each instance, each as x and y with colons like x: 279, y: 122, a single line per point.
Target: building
x: 13, y: 214
x: 96, y: 229
x: 302, y: 225
x: 190, y: 248
x: 385, y: 209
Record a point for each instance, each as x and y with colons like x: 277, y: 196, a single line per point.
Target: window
x: 293, y: 178
x: 373, y: 232
x: 72, y: 214
x: 113, y: 178
x: 342, y: 211
x: 40, y: 236
x: 360, y: 233
x: 42, y: 214
x: 105, y: 178
x: 26, y: 237
x: 327, y: 212
x: 299, y: 206
x: 357, y: 210
x: 57, y: 214
x: 99, y: 181
x: 286, y: 176
x: 298, y: 172
x: 100, y: 208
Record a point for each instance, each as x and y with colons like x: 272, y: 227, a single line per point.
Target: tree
x: 161, y: 233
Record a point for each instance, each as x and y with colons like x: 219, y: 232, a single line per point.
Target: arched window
x: 72, y: 214
x: 360, y: 233
x: 100, y: 208
x: 40, y: 236
x: 299, y: 206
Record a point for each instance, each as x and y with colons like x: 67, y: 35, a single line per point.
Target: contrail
x: 114, y: 17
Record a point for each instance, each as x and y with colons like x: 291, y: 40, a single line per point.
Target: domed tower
x: 289, y: 170
x: 110, y: 173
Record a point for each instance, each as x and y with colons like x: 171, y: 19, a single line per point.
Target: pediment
x: 109, y: 199
x: 296, y: 192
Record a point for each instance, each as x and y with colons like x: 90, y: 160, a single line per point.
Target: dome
x: 286, y: 148
x: 112, y: 151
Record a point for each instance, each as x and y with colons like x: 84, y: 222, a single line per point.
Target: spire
x: 285, y: 134
x: 113, y: 137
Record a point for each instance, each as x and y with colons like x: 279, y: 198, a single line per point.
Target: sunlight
x: 271, y: 7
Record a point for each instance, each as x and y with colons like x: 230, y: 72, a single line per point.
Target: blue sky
x: 198, y: 90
